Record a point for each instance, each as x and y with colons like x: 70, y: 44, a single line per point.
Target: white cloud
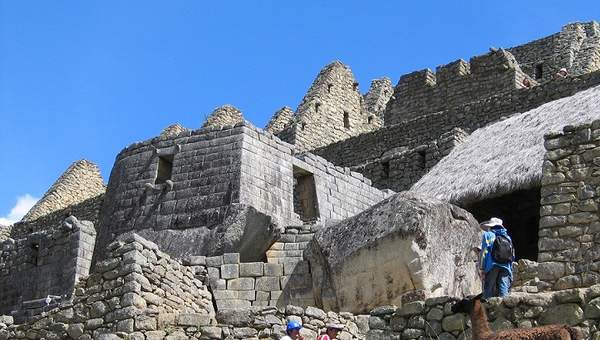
x: 24, y: 203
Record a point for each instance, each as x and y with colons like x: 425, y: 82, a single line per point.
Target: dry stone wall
x: 423, y: 92
x: 399, y: 168
x: 576, y: 47
x: 225, y: 115
x: 138, y: 292
x: 88, y: 210
x: 333, y: 109
x: 376, y: 99
x: 433, y: 318
x: 569, y: 241
x: 469, y: 116
x: 44, y: 263
x: 80, y: 182
x: 282, y: 119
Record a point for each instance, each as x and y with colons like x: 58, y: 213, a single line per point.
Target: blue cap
x: 292, y: 325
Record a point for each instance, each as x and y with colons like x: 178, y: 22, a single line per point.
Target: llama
x: 481, y: 329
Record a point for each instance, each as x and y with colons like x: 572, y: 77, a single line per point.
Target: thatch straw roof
x: 505, y: 156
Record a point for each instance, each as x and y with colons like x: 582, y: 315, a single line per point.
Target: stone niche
x: 404, y: 244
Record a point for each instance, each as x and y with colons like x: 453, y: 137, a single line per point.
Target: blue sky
x: 84, y: 79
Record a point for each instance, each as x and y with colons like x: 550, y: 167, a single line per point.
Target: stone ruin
x: 355, y: 209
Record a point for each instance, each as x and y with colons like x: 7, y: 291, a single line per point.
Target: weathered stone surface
x: 244, y: 230
x: 237, y: 318
x: 570, y: 314
x: 391, y: 248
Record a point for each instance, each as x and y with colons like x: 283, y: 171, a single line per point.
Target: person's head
x: 293, y: 329
x: 563, y: 72
x: 492, y: 223
x: 526, y: 82
x: 333, y: 330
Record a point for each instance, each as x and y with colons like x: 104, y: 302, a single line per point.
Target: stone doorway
x: 520, y: 211
x: 305, y: 196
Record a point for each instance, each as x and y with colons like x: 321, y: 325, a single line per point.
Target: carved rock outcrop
x: 406, y: 243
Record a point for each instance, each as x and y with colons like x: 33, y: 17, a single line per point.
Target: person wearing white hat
x: 331, y: 332
x: 496, y: 257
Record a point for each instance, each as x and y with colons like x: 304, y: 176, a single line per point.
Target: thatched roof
x: 506, y: 156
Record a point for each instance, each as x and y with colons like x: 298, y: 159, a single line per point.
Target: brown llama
x: 481, y: 328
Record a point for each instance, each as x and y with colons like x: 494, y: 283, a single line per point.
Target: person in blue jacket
x: 496, y: 269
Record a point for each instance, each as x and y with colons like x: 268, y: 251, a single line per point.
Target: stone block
x: 233, y: 304
x: 263, y: 296
x: 224, y: 294
x: 300, y: 267
x: 267, y: 284
x: 230, y: 271
x: 155, y: 335
x: 193, y: 319
x: 145, y: 323
x: 231, y: 258
x: 243, y: 283
x: 252, y: 269
x: 195, y: 261
x: 214, y: 273
x: 214, y: 261
x: 246, y: 295
x: 273, y: 269
x: 219, y: 284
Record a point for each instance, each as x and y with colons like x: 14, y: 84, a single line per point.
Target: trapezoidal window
x: 520, y: 212
x: 305, y: 196
x: 385, y: 166
x: 539, y: 71
x: 346, y: 120
x: 370, y: 120
x: 165, y: 169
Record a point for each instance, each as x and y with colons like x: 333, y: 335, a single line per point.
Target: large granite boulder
x: 406, y: 243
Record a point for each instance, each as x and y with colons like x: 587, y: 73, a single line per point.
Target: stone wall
x: 88, y: 210
x: 423, y: 92
x: 138, y: 292
x: 433, y: 318
x: 333, y: 109
x: 203, y: 181
x: 576, y: 47
x: 284, y: 278
x: 225, y: 115
x: 80, y: 182
x: 569, y: 254
x: 399, y: 168
x: 282, y: 119
x: 216, y: 175
x: 469, y: 116
x: 376, y: 99
x: 43, y: 263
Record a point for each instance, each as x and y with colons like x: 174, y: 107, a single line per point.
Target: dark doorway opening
x: 520, y: 211
x: 305, y: 196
